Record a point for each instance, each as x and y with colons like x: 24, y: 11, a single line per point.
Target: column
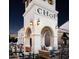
x: 36, y: 43
x: 56, y: 40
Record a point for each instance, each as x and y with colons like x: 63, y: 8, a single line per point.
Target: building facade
x: 40, y: 25
x: 20, y: 36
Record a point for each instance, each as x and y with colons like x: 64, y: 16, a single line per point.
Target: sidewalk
x: 14, y: 57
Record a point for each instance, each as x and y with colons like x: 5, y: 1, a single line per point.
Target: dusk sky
x: 16, y: 10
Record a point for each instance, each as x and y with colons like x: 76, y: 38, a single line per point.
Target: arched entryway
x: 28, y: 32
x: 28, y: 39
x: 46, y: 37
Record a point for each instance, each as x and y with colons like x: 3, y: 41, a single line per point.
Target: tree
x: 12, y: 39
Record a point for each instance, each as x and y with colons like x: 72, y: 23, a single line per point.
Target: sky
x: 16, y: 10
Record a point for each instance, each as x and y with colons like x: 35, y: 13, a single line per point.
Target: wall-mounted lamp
x: 38, y: 22
x: 31, y: 22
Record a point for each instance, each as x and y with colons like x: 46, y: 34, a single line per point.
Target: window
x: 30, y: 42
x: 50, y: 2
x: 27, y: 2
x: 30, y: 0
x: 44, y: 0
x: 47, y: 39
x: 28, y: 32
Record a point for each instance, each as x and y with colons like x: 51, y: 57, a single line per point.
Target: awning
x: 64, y: 27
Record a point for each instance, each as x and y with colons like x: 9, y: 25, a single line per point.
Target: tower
x: 40, y: 24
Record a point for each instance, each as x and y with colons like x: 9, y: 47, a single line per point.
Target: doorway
x: 28, y: 40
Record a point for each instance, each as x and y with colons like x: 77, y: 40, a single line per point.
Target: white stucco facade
x: 20, y: 36
x: 39, y: 17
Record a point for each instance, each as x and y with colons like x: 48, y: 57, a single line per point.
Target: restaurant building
x: 40, y: 30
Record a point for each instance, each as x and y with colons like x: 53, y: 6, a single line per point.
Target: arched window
x: 30, y: 0
x: 50, y: 2
x: 47, y: 38
x: 44, y: 0
x: 27, y: 2
x: 28, y: 32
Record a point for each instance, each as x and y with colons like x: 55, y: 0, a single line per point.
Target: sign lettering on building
x: 45, y: 12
